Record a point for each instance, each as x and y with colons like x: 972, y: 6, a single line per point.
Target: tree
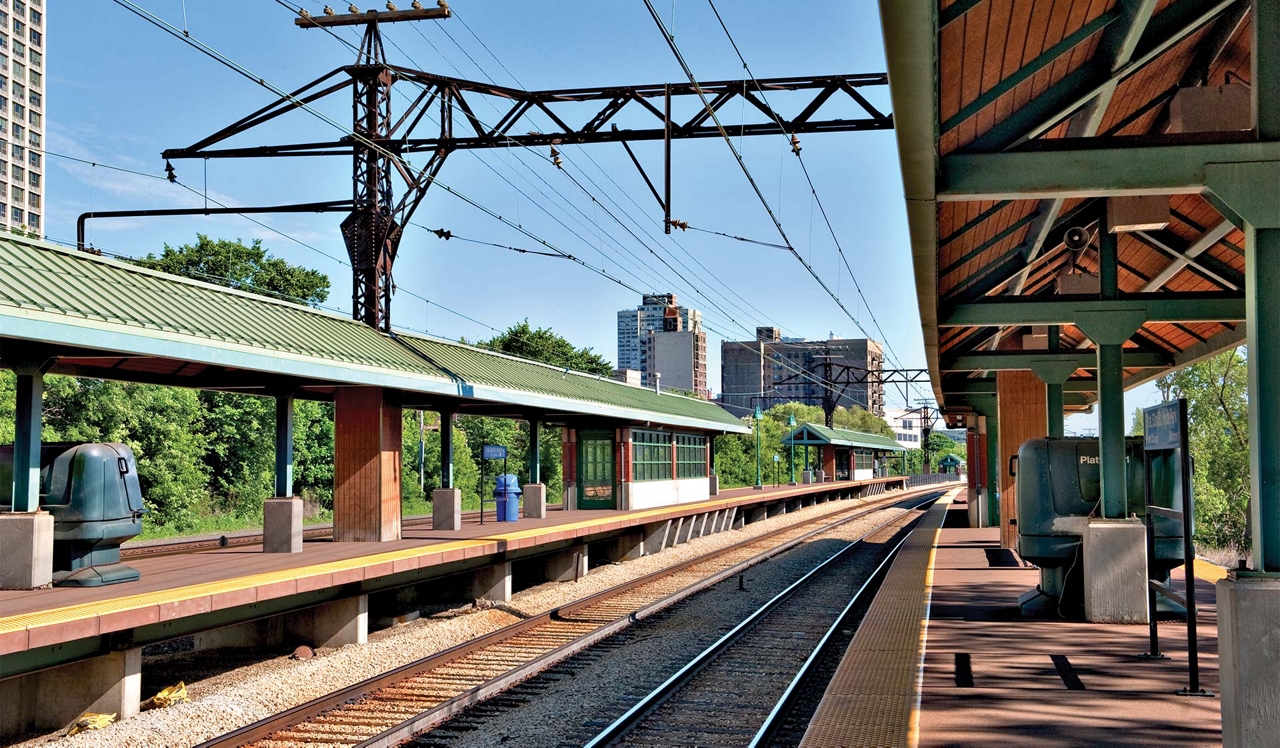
x: 859, y: 419
x: 1138, y: 428
x: 1216, y: 390
x: 546, y: 346
x: 236, y: 265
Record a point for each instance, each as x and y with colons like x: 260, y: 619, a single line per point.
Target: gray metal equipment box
x: 92, y: 491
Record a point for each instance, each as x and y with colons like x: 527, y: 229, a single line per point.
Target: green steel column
x: 1053, y: 393
x: 28, y: 423
x: 446, y: 449
x: 1262, y: 302
x: 535, y: 456
x: 758, y: 477
x: 284, y: 445
x: 1110, y: 384
x: 1262, y: 289
x: 993, y: 471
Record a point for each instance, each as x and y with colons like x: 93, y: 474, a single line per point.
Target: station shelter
x: 844, y: 454
x: 71, y: 312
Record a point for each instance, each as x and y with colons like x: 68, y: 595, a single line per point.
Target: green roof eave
x: 813, y: 434
x: 52, y: 295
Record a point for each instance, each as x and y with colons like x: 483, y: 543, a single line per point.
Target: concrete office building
x: 22, y: 108
x: 679, y: 355
x: 634, y: 327
x: 906, y: 426
x: 769, y: 366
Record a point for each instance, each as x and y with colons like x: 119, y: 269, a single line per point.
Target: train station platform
x: 80, y: 649
x: 944, y: 658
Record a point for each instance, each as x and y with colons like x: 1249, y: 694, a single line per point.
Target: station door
x: 595, y: 470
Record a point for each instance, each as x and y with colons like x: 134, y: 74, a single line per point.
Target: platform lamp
x: 758, y: 416
x: 791, y: 424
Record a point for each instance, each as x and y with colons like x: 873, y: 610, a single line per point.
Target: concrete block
x: 806, y: 477
x: 334, y: 624
x: 26, y: 550
x: 684, y: 526
x: 1115, y: 571
x: 755, y: 514
x: 446, y: 509
x: 282, y: 526
x: 819, y: 476
x: 713, y: 483
x: 624, y: 547
x: 264, y: 633
x: 655, y: 536
x: 776, y: 508
x: 52, y: 699
x: 567, y: 565
x: 535, y: 500
x: 736, y: 519
x: 492, y: 583
x: 1249, y: 660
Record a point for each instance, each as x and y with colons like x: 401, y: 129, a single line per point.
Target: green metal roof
x: 63, y: 297
x: 812, y: 433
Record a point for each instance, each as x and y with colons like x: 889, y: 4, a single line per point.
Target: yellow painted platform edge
x: 913, y: 729
x: 82, y: 611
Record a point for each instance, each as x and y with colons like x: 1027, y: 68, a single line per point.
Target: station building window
x: 863, y: 459
x: 691, y: 456
x: 650, y: 455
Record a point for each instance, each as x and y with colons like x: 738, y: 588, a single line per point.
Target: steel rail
x: 620, y: 727
x: 268, y: 726
x: 785, y: 701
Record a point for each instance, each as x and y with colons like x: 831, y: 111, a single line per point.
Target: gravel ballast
x: 245, y: 694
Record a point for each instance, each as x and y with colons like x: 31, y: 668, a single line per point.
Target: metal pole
x: 446, y: 449
x: 666, y: 162
x: 422, y: 452
x: 1153, y: 652
x: 284, y: 445
x: 1053, y: 393
x: 535, y: 452
x: 26, y: 445
x: 993, y: 471
x: 793, y: 461
x: 1188, y: 548
x: 1110, y: 388
x: 758, y: 481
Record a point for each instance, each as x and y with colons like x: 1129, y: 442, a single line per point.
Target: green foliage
x: 546, y: 346
x: 163, y: 425
x: 1138, y: 427
x: 858, y: 419
x: 1217, y: 402
x: 248, y: 267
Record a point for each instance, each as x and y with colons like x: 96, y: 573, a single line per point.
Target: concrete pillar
x: 1248, y: 609
x: 366, y: 474
x: 1115, y: 571
x: 446, y: 509
x: 535, y: 501
x: 755, y: 514
x: 282, y: 526
x: 625, y: 547
x: 776, y: 508
x: 284, y: 445
x: 566, y: 566
x: 26, y: 550
x: 49, y: 700
x: 655, y: 536
x: 713, y: 485
x: 335, y: 624
x: 492, y: 583
x: 738, y: 519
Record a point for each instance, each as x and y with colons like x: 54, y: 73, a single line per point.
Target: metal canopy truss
x: 1067, y: 310
x: 836, y: 379
x: 383, y: 140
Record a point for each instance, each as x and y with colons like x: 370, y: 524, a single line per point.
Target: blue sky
x: 120, y: 91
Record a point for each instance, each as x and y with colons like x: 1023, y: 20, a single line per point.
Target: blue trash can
x: 507, y: 491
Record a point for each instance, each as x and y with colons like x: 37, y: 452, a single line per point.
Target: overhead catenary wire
x: 240, y: 69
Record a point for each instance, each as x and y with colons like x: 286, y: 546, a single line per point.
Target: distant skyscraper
x: 22, y: 108
x: 665, y: 355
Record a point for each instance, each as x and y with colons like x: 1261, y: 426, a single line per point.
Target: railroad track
x: 394, y: 706
x: 739, y: 690
x: 236, y: 540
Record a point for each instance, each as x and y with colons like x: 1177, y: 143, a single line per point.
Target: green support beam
x: 988, y: 386
x: 29, y: 366
x: 1002, y: 361
x: 1096, y: 172
x: 956, y: 400
x: 993, y: 468
x: 446, y: 449
x: 284, y: 445
x: 1110, y: 352
x: 1064, y: 310
x: 535, y: 456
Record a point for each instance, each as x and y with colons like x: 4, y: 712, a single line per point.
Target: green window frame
x: 691, y: 456
x: 650, y: 456
x: 863, y: 459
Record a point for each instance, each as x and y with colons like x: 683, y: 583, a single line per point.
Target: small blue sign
x: 1162, y: 427
x: 494, y: 452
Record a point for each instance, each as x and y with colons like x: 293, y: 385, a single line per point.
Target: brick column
x: 366, y: 465
x: 1022, y: 401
